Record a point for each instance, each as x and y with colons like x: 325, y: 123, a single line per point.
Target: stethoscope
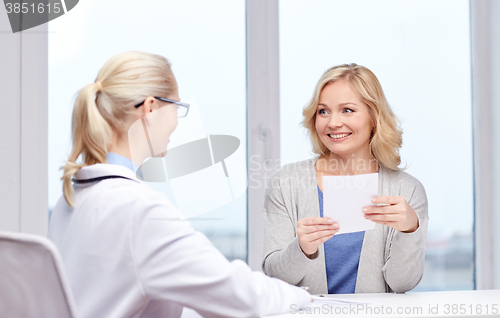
x: 83, y: 181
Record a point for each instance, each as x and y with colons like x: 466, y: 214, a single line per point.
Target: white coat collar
x: 100, y: 170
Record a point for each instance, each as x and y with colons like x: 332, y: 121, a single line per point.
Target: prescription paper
x: 344, y: 198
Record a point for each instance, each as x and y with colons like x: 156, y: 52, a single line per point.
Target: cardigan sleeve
x: 404, y: 265
x: 283, y: 257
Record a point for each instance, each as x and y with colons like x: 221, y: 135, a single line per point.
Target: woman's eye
x: 348, y: 110
x: 321, y: 111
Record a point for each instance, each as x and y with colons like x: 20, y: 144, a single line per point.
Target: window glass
x: 207, y: 50
x: 420, y: 52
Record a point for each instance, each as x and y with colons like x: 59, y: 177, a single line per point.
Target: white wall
x: 23, y: 129
x: 10, y: 77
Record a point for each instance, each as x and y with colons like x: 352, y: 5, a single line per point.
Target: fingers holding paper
x: 392, y: 211
x: 314, y: 231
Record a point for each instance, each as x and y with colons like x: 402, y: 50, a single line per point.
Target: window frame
x: 485, y: 44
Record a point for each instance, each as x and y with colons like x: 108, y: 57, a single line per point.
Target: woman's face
x: 162, y: 123
x: 154, y: 122
x: 343, y: 122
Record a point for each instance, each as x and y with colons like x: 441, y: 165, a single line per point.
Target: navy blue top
x: 342, y: 253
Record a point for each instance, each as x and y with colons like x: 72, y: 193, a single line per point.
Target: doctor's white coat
x: 127, y: 254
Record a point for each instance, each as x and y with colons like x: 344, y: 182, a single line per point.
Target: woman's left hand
x: 397, y: 213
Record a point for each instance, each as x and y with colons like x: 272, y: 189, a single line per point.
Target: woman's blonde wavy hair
x: 103, y: 107
x: 386, y: 139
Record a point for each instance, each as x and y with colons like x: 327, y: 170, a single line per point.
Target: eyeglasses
x: 182, y: 108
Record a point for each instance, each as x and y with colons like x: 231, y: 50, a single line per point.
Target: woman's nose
x: 335, y: 121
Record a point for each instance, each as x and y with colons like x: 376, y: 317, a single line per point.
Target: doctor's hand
x: 396, y: 213
x: 314, y: 231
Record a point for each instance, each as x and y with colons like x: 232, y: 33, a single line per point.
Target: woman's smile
x: 339, y: 137
x: 343, y: 120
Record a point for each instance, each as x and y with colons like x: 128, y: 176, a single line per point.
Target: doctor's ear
x: 149, y: 105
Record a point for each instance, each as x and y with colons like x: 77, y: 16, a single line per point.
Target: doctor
x: 125, y: 249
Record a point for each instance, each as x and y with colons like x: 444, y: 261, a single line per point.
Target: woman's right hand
x: 314, y: 231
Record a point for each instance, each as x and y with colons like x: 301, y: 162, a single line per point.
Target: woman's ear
x: 149, y: 105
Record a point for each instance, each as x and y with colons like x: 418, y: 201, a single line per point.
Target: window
x: 207, y: 52
x: 420, y: 52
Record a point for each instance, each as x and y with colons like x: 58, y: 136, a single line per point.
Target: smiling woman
x: 353, y: 131
x: 354, y: 91
x: 343, y: 122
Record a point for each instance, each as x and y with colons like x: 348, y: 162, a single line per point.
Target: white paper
x: 344, y: 198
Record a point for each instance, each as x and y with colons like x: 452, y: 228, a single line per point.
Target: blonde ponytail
x: 102, y: 108
x: 91, y: 136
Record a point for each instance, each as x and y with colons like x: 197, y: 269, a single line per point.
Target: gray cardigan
x: 390, y: 261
